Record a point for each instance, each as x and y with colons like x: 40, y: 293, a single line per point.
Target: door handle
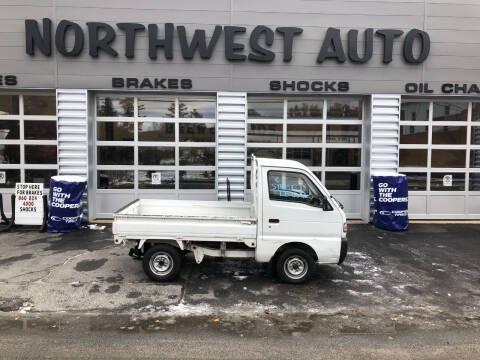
x: 274, y: 221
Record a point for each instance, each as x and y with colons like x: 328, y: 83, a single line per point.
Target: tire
x: 162, y: 262
x: 294, y: 266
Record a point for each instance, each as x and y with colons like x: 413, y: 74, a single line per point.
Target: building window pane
x: 413, y: 157
x: 344, y: 134
x: 413, y: 134
x: 9, y: 105
x: 9, y: 154
x: 115, y: 179
x: 114, y: 106
x: 414, y: 111
x: 167, y: 179
x: 343, y: 157
x: 474, y: 183
x: 342, y: 180
x: 449, y: 158
x: 40, y: 130
x: 450, y: 111
x: 12, y: 176
x: 417, y: 181
x: 345, y: 108
x: 39, y: 105
x: 156, y: 107
x: 476, y: 111
x: 9, y: 129
x: 156, y: 155
x: 297, y: 133
x: 114, y: 155
x: 197, y: 180
x: 475, y: 136
x: 436, y: 182
x: 449, y: 135
x: 115, y: 131
x: 40, y: 154
x: 197, y: 156
x: 41, y: 176
x: 475, y: 158
x: 265, y: 133
x: 272, y: 153
x: 197, y: 132
x: 156, y: 131
x: 307, y: 156
x: 265, y: 109
x: 305, y: 109
x: 197, y: 108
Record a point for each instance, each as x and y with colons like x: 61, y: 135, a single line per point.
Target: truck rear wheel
x: 162, y: 262
x: 294, y: 266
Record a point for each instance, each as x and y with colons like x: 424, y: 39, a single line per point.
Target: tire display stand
x: 7, y: 224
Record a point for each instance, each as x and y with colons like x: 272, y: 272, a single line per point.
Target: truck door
x: 295, y: 210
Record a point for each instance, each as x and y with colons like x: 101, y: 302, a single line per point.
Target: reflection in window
x: 114, y: 106
x: 449, y: 135
x: 343, y: 157
x: 305, y: 109
x: 9, y: 154
x: 40, y: 154
x: 474, y: 182
x: 40, y: 176
x: 475, y: 158
x: 156, y: 131
x: 416, y: 181
x: 114, y: 155
x: 167, y: 179
x: 197, y: 132
x: 414, y: 111
x: 12, y: 176
x: 156, y: 155
x: 197, y: 156
x: 344, y: 134
x: 197, y: 108
x: 413, y: 157
x: 115, y: 131
x: 40, y: 130
x: 306, y: 156
x: 265, y: 133
x: 9, y: 105
x: 450, y: 111
x: 437, y: 182
x: 475, y: 135
x: 9, y: 129
x: 265, y: 109
x: 197, y: 179
x: 413, y: 134
x: 340, y: 180
x: 448, y: 158
x: 156, y: 107
x: 272, y: 153
x: 39, y: 105
x: 345, y: 108
x: 293, y: 187
x: 476, y: 111
x: 300, y: 133
x: 115, y: 179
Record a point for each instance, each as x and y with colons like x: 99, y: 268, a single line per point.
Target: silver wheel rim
x: 161, y: 263
x: 295, y: 267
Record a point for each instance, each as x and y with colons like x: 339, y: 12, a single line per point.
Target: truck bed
x: 186, y: 220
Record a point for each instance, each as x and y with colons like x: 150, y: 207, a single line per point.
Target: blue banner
x: 65, y: 210
x: 390, y: 202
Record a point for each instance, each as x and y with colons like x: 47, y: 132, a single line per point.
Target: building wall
x: 453, y: 26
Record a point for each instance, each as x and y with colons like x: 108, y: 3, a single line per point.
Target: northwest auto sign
x: 43, y: 37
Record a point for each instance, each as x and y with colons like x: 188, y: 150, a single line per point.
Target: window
x: 344, y: 108
x: 413, y: 157
x: 304, y: 133
x: 115, y: 179
x: 273, y: 153
x: 448, y: 158
x: 39, y: 105
x: 437, y: 182
x: 265, y: 108
x: 410, y: 134
x: 115, y: 131
x: 342, y: 180
x: 154, y: 106
x: 114, y: 106
x: 156, y: 131
x: 416, y: 181
x: 344, y: 134
x: 414, y: 111
x: 265, y: 133
x: 293, y: 187
x: 197, y: 132
x: 343, y: 157
x: 450, y: 111
x: 197, y: 108
x: 307, y: 156
x: 449, y: 135
x: 305, y: 109
x: 9, y: 105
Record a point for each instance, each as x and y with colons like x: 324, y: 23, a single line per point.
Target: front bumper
x: 343, y: 250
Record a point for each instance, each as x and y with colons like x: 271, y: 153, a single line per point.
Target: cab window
x: 294, y: 187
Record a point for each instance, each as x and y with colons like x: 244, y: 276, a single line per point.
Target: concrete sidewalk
x: 427, y: 277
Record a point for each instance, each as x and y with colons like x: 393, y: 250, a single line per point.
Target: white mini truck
x: 292, y: 222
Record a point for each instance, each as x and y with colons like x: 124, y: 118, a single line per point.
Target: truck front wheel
x: 162, y: 262
x: 294, y: 266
